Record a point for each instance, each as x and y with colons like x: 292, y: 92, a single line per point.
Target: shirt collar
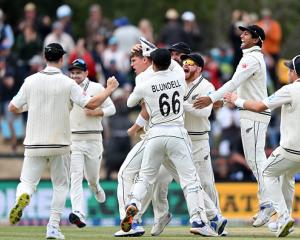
x: 252, y: 49
x: 52, y: 69
x: 196, y: 80
x: 84, y: 82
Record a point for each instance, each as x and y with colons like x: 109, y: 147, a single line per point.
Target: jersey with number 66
x: 163, y: 95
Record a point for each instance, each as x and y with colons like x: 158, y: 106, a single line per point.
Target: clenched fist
x: 112, y: 83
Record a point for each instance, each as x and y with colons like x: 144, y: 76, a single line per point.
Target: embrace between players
x: 176, y: 143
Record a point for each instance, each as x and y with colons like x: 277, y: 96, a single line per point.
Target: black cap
x: 196, y: 57
x: 255, y: 30
x: 294, y: 64
x: 180, y: 47
x: 54, y: 51
x: 78, y: 64
x: 161, y: 57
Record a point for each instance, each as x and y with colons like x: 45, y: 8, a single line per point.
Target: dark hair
x: 259, y: 43
x: 161, y: 57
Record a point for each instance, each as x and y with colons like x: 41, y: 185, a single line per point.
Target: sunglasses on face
x: 293, y: 61
x: 189, y: 62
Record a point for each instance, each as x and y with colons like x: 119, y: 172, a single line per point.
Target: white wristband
x: 239, y: 102
x: 140, y: 121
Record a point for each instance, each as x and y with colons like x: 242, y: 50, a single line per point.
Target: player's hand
x: 112, y: 83
x: 230, y: 97
x: 136, y: 48
x: 202, y: 102
x: 218, y: 104
x: 132, y: 132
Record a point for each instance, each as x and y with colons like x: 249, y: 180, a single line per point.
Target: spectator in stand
x: 126, y: 34
x: 64, y: 14
x: 97, y: 54
x: 28, y: 44
x: 234, y: 36
x: 272, y: 43
x: 59, y: 36
x: 36, y: 63
x: 41, y: 24
x: 146, y: 29
x: 6, y: 36
x: 96, y: 25
x: 172, y: 32
x: 212, y: 72
x: 11, y: 125
x: 192, y: 30
x: 116, y: 54
x: 80, y: 51
x: 118, y: 143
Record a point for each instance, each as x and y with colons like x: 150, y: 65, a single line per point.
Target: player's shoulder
x: 96, y: 85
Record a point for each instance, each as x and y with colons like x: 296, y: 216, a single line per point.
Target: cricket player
x: 163, y: 97
x: 196, y: 119
x: 198, y: 126
x: 250, y: 81
x: 87, y: 146
x: 48, y: 96
x: 142, y: 65
x: 284, y: 162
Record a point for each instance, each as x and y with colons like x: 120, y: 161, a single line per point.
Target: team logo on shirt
x: 244, y: 65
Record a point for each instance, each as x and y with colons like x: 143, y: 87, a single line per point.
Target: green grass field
x: 170, y: 233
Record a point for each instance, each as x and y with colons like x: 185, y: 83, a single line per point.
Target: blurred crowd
x: 105, y: 47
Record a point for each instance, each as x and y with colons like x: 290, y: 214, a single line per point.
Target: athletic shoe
x: 54, y: 233
x: 100, y: 194
x: 273, y: 227
x: 135, y: 231
x: 17, y: 211
x: 255, y: 216
x: 264, y: 215
x: 218, y: 223
x: 160, y: 224
x: 77, y: 218
x: 285, y: 224
x: 203, y: 229
x: 224, y: 233
x: 126, y: 223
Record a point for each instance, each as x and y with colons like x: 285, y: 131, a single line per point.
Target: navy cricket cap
x: 255, y: 30
x: 196, y: 57
x: 161, y: 57
x: 54, y: 51
x: 78, y: 64
x: 294, y: 64
x: 180, y: 47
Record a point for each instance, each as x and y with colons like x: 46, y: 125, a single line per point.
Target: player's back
x: 163, y: 97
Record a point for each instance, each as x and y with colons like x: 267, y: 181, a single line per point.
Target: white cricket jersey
x: 196, y: 120
x: 89, y: 127
x: 250, y: 81
x: 163, y: 95
x: 288, y: 98
x: 48, y: 95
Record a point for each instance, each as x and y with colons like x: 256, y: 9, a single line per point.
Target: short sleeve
x: 21, y: 98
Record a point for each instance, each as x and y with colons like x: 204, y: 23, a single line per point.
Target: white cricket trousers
x: 128, y: 174
x: 32, y: 170
x: 161, y: 146
x: 86, y: 159
x: 202, y: 161
x: 278, y: 175
x: 253, y: 135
